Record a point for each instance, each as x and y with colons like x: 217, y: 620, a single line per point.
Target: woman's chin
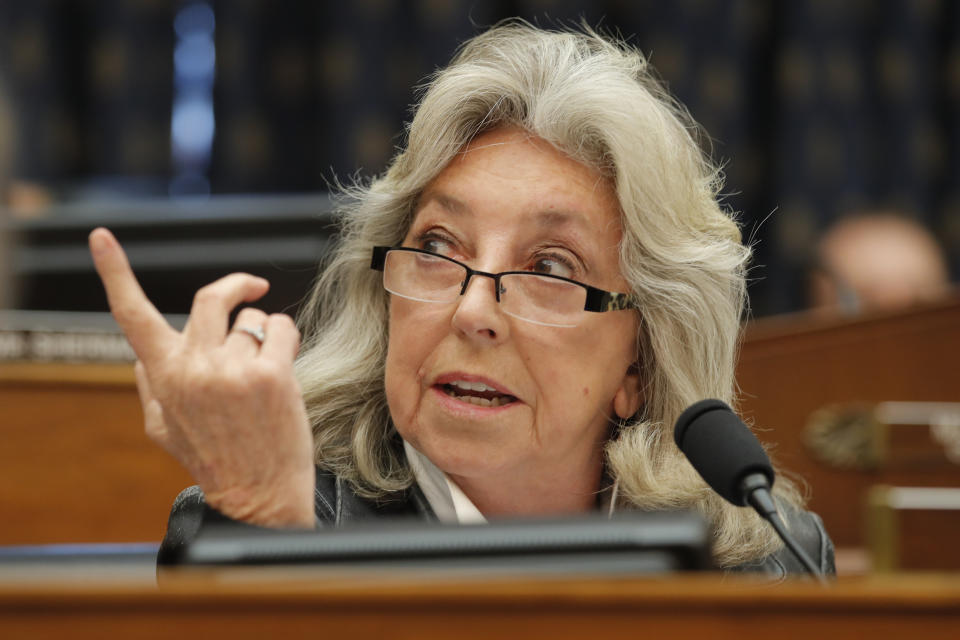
x: 468, y: 440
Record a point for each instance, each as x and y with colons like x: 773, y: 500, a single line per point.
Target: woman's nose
x: 478, y: 315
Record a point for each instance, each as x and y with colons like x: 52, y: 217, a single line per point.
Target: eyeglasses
x: 544, y: 299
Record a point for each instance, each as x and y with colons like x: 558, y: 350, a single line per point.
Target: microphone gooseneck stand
x: 756, y: 492
x: 731, y: 460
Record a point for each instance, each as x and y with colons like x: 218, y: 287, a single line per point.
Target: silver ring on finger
x: 257, y: 333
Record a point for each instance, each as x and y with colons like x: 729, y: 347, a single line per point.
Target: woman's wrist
x: 291, y: 509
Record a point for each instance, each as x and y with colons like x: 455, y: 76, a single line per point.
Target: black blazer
x: 336, y: 503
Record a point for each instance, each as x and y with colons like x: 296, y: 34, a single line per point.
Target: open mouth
x: 476, y: 393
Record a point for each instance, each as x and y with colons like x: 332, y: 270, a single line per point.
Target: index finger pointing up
x: 148, y: 333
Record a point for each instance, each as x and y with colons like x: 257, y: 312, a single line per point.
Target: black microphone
x: 730, y: 459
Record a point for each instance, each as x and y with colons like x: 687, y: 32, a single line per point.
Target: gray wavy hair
x: 596, y: 99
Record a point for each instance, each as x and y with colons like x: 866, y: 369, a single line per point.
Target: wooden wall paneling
x: 914, y: 528
x: 791, y: 366
x: 75, y: 465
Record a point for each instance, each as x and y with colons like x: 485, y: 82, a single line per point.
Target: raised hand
x: 222, y: 403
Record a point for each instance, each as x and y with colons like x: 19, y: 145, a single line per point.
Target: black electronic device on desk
x: 626, y: 544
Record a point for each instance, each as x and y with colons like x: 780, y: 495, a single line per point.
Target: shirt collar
x: 446, y: 499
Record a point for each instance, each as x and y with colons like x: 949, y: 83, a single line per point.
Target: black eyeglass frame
x: 598, y: 300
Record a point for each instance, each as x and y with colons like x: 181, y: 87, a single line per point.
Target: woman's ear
x: 627, y: 400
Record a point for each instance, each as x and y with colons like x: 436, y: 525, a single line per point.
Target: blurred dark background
x: 816, y: 108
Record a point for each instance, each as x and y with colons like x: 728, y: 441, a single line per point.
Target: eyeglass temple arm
x: 379, y: 258
x: 599, y: 300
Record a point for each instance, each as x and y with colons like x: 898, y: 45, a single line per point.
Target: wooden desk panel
x: 914, y: 529
x: 305, y: 604
x: 75, y: 465
x: 791, y: 366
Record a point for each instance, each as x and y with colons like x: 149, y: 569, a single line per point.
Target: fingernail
x: 99, y: 236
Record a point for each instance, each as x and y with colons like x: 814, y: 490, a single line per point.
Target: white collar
x: 446, y: 499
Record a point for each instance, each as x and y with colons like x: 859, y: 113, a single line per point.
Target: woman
x: 462, y: 377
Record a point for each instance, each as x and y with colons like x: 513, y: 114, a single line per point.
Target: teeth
x: 471, y: 386
x: 480, y: 402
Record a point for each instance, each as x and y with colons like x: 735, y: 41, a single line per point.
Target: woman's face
x: 513, y: 202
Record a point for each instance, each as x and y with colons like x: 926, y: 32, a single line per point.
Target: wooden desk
x: 75, y: 465
x: 303, y: 603
x: 791, y: 366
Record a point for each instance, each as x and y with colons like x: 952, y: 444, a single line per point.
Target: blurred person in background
x: 877, y: 261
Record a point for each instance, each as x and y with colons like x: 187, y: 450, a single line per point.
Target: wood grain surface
x: 295, y: 603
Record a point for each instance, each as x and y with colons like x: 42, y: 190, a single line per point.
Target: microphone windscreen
x: 721, y: 448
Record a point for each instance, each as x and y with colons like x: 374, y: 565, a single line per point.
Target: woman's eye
x: 436, y: 245
x: 554, y: 266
